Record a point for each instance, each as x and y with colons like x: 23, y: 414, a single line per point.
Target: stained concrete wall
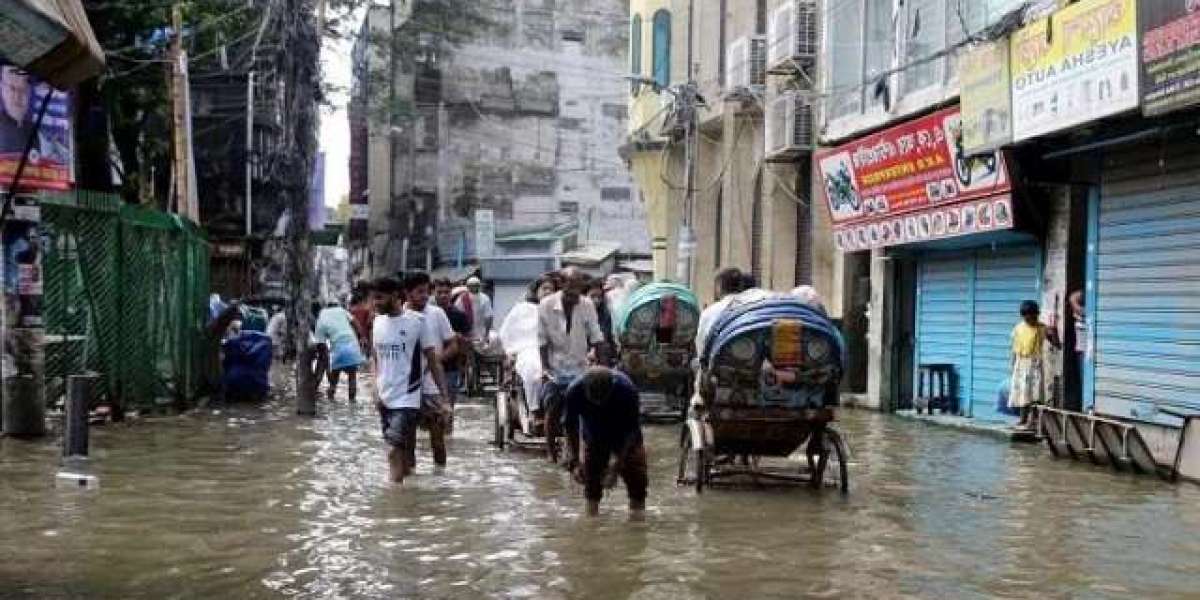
x: 536, y: 108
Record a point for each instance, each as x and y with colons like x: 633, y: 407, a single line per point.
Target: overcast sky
x: 335, y: 129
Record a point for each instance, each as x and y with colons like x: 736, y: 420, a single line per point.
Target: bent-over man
x: 604, y: 409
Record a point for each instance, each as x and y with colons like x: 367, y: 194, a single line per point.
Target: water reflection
x: 257, y: 503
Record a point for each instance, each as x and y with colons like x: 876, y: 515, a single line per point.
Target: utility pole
x: 178, y: 140
x: 688, y: 99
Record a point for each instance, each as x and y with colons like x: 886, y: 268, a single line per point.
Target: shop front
x: 958, y: 265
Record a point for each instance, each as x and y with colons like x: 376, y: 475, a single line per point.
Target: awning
x: 51, y: 39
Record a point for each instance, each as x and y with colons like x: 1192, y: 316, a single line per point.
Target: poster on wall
x: 50, y: 164
x: 1076, y: 66
x: 1170, y: 55
x: 21, y: 323
x: 985, y: 83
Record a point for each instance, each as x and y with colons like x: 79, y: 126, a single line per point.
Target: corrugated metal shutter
x: 1145, y: 282
x: 943, y: 315
x: 1003, y: 279
x: 967, y: 305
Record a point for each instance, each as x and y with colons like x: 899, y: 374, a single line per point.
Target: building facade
x: 750, y: 205
x: 519, y: 112
x: 976, y: 155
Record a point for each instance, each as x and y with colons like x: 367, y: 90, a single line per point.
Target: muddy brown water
x: 256, y: 503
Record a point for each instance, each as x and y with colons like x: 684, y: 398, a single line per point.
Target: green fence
x: 126, y: 291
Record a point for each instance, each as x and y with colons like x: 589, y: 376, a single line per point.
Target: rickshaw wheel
x: 692, y: 456
x: 832, y: 443
x: 498, y: 433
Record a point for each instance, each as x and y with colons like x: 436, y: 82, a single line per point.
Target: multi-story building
x: 237, y: 109
x: 516, y: 113
x: 978, y: 155
x: 750, y: 206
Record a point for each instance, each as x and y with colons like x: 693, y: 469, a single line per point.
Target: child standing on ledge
x: 1028, y: 385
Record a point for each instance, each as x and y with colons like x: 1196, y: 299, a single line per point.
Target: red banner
x: 883, y: 189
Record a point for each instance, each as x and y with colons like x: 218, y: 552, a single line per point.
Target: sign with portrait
x: 1170, y: 55
x: 50, y: 164
x: 914, y: 182
x: 1075, y: 66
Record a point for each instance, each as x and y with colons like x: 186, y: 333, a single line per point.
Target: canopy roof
x: 51, y: 39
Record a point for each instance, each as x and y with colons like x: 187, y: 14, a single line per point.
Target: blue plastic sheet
x: 247, y: 366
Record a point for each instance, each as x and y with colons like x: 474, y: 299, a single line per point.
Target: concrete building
x: 518, y: 112
x: 751, y: 207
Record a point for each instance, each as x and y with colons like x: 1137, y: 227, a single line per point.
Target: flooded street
x: 254, y: 503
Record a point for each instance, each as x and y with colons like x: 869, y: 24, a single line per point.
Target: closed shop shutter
x: 1145, y: 284
x: 1003, y: 279
x: 944, y: 315
x: 967, y: 305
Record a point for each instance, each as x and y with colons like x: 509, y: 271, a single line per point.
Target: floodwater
x: 250, y: 503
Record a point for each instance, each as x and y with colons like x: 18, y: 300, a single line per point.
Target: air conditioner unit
x: 794, y: 41
x: 746, y: 64
x: 789, y: 127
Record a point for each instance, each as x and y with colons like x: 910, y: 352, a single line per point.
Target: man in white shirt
x: 437, y: 408
x: 479, y: 307
x: 405, y: 346
x: 728, y: 284
x: 568, y: 329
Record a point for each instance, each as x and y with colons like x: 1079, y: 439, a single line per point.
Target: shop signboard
x: 985, y: 82
x: 1170, y: 55
x: 1075, y: 66
x: 50, y: 160
x: 913, y: 183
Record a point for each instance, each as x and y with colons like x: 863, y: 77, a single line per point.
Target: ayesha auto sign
x: 913, y: 183
x: 1078, y: 65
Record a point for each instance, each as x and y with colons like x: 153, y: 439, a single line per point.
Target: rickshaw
x: 769, y: 376
x: 485, y: 369
x: 513, y: 422
x: 656, y: 332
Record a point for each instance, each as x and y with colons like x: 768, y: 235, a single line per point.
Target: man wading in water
x: 405, y: 345
x: 604, y: 409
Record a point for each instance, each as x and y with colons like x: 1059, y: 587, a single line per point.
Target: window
x: 845, y: 41
x: 662, y: 48
x: 881, y: 46
x: 926, y: 33
x: 615, y: 194
x: 635, y: 45
x: 568, y: 208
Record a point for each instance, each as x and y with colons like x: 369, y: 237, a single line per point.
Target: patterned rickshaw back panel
x: 781, y: 332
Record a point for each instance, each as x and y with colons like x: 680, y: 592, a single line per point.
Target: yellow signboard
x: 986, y: 97
x: 1075, y: 66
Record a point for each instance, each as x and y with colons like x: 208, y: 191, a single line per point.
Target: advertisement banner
x: 51, y: 158
x: 986, y: 95
x: 890, y: 187
x: 1170, y: 55
x: 1078, y: 65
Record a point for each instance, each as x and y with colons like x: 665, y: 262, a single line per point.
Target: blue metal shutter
x: 1003, y: 279
x: 967, y: 305
x: 1145, y: 286
x: 944, y: 315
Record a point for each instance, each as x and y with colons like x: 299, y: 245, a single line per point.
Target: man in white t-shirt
x: 437, y: 408
x: 728, y: 284
x: 405, y: 347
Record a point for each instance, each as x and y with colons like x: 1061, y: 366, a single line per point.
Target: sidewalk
x: 999, y: 430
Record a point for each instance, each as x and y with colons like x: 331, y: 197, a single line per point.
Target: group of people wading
x: 558, y: 340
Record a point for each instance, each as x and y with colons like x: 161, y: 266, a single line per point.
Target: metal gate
x: 967, y: 304
x: 1144, y: 282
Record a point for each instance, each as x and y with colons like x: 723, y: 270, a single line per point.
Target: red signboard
x: 913, y: 183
